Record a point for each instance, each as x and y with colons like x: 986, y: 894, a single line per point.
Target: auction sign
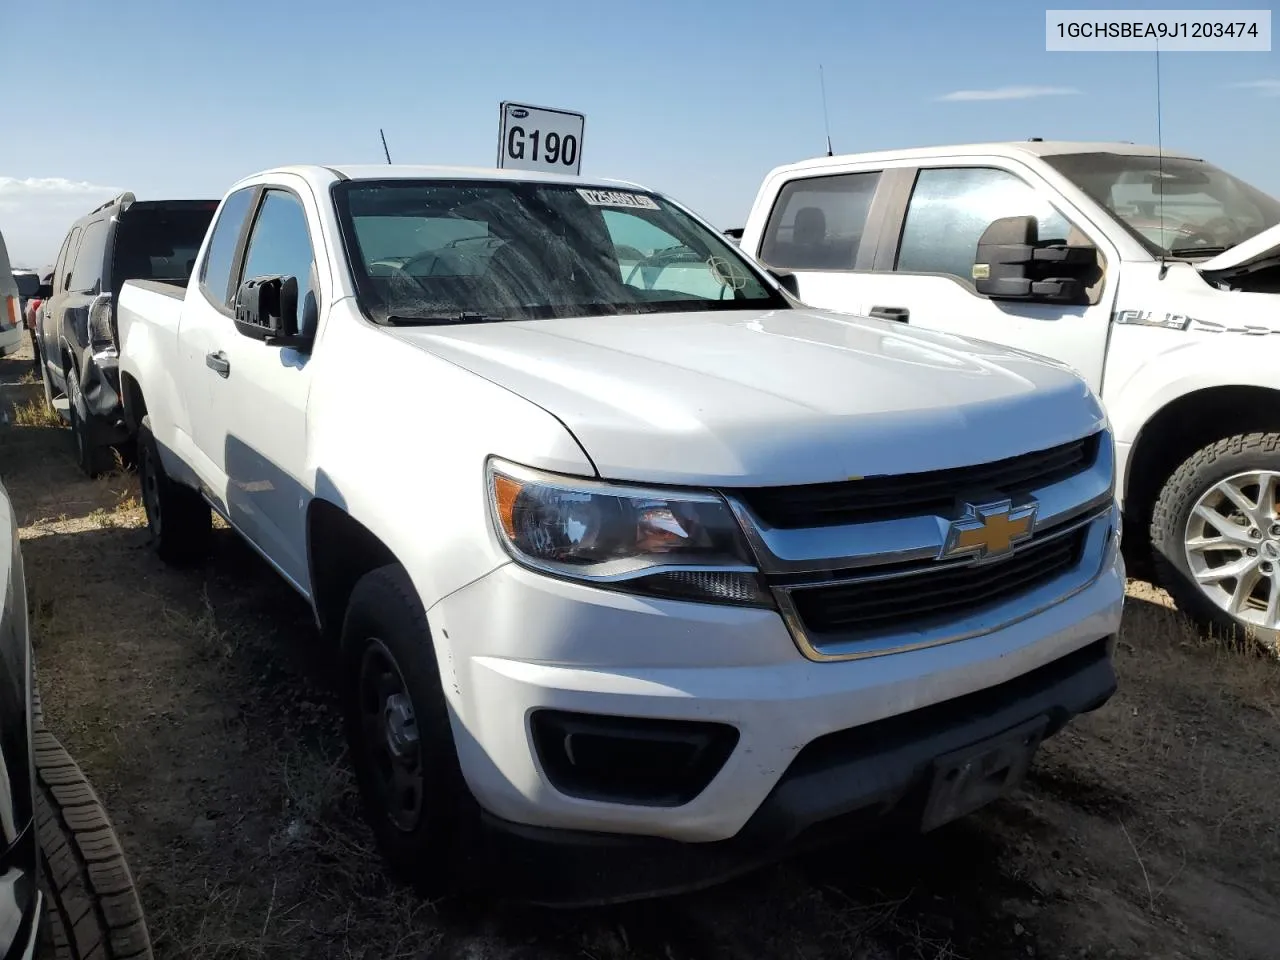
x: 540, y: 138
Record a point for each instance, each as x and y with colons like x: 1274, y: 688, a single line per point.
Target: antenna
x: 826, y: 121
x: 384, y: 144
x: 1164, y: 264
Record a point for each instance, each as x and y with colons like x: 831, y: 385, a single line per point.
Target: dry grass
x: 35, y: 414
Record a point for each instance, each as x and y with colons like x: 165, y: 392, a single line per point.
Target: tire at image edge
x: 92, y: 908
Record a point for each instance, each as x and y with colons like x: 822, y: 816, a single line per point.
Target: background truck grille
x: 914, y: 494
x: 904, y: 603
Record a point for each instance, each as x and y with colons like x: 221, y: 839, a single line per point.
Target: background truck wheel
x: 94, y: 460
x: 92, y: 908
x: 36, y: 364
x: 415, y: 798
x: 1216, y: 536
x: 44, y: 377
x: 180, y: 521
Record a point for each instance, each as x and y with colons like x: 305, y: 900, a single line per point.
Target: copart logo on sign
x: 519, y: 113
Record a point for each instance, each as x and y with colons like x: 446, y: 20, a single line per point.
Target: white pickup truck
x: 1155, y: 277
x: 639, y: 570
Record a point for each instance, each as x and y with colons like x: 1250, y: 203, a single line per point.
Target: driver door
x: 927, y: 281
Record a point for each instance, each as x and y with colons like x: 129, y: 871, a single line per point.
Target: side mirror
x: 788, y: 282
x: 44, y: 292
x: 267, y: 310
x: 1012, y: 264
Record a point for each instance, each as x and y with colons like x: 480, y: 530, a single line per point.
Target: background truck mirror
x: 787, y: 281
x: 1012, y: 264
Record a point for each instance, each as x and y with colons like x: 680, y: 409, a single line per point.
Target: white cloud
x: 36, y: 212
x: 1009, y: 93
x: 1265, y: 88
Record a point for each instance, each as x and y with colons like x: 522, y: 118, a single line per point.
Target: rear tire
x: 92, y: 909
x: 398, y: 730
x: 44, y: 376
x: 181, y: 523
x: 1221, y: 534
x: 94, y: 460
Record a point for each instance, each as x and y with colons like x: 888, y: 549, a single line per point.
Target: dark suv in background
x: 124, y: 239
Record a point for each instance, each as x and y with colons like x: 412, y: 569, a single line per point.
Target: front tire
x: 181, y: 523
x: 1215, y: 531
x: 415, y: 797
x: 92, y: 909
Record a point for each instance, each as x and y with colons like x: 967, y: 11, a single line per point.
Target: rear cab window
x: 215, y: 271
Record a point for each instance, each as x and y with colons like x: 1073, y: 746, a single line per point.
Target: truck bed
x: 177, y: 289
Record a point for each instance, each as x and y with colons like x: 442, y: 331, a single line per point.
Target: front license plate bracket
x: 970, y: 778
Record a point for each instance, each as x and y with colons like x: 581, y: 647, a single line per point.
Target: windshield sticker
x: 617, y: 198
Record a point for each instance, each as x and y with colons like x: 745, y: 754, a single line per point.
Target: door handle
x: 218, y: 363
x: 896, y: 314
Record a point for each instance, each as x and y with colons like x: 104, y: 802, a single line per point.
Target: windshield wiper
x: 1197, y: 251
x: 463, y: 317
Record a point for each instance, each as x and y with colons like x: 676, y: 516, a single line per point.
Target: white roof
x: 1006, y: 148
x: 318, y: 173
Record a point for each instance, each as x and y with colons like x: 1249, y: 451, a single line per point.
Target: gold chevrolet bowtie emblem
x: 989, y: 530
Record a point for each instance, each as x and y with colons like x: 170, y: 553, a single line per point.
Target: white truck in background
x: 1156, y: 277
x: 638, y: 569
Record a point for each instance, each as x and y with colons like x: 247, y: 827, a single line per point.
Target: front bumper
x: 514, y: 644
x: 837, y: 785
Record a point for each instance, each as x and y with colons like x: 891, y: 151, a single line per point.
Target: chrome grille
x: 920, y: 598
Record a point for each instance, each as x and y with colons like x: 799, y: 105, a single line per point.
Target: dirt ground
x: 198, y: 706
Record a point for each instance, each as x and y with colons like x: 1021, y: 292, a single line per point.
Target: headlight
x: 678, y: 544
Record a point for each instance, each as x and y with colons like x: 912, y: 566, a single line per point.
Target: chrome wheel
x: 1232, y: 545
x: 390, y: 731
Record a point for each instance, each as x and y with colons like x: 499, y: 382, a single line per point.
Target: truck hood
x: 1262, y: 247
x: 765, y: 397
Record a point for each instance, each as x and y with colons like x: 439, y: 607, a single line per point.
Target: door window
x: 951, y: 207
x: 215, y: 272
x: 86, y: 275
x: 63, y: 263
x: 280, y: 244
x: 818, y: 223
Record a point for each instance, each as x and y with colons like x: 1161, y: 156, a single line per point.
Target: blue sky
x: 698, y: 99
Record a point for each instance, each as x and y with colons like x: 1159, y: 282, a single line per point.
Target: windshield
x: 454, y: 251
x: 1206, y: 210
